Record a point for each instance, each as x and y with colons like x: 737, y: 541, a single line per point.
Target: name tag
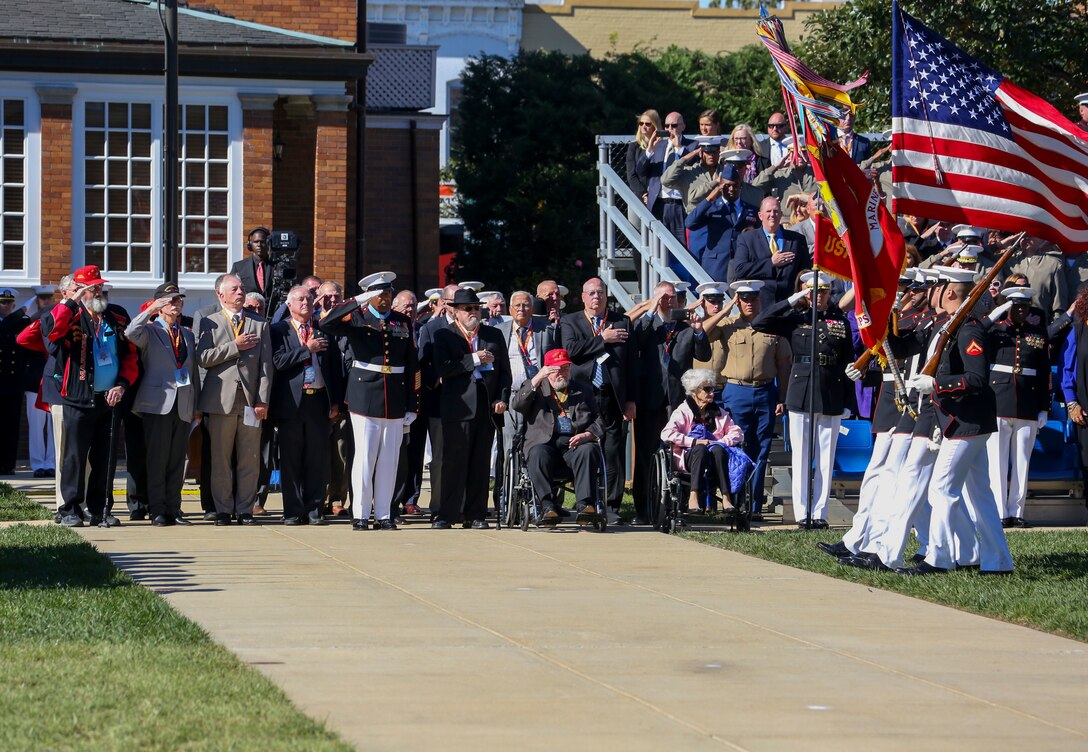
x: 602, y: 358
x: 308, y: 376
x: 181, y: 377
x: 566, y: 428
x: 104, y: 358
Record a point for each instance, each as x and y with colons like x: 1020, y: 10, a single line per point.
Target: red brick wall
x: 293, y: 182
x: 257, y: 194
x: 330, y: 195
x: 328, y: 18
x: 388, y: 205
x: 56, y: 222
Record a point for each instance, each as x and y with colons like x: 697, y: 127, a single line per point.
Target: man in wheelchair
x: 562, y: 425
x: 699, y: 431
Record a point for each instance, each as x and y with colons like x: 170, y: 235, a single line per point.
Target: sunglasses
x: 748, y: 296
x: 705, y: 389
x: 776, y: 125
x: 672, y: 125
x: 646, y: 125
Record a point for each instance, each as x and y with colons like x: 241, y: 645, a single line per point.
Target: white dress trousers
x: 961, y: 466
x: 374, y: 468
x: 1013, y: 440
x: 869, y: 492
x: 827, y: 437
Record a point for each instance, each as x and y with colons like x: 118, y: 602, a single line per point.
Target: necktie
x: 598, y: 369
x: 773, y: 241
x: 260, y: 275
x: 236, y: 319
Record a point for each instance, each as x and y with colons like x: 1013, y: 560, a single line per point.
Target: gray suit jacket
x: 223, y: 367
x: 544, y: 338
x: 158, y: 387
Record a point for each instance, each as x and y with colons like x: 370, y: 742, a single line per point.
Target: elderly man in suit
x: 381, y: 393
x: 235, y: 355
x: 667, y: 348
x: 563, y: 423
x: 527, y: 339
x: 166, y: 399
x: 771, y: 255
x: 472, y: 361
x: 604, y: 357
x: 306, y: 394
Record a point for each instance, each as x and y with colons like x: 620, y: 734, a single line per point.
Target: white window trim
x: 32, y: 188
x: 153, y: 95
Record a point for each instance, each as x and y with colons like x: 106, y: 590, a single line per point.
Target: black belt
x: 823, y: 359
x: 746, y: 382
x: 310, y: 392
x: 673, y: 200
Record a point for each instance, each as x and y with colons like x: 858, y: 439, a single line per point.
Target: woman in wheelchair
x: 699, y: 430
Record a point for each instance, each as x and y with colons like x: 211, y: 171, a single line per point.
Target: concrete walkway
x: 481, y: 640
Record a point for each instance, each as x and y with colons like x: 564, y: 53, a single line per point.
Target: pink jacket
x: 680, y: 423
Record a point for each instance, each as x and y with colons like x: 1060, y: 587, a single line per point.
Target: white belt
x: 377, y: 368
x: 1013, y: 369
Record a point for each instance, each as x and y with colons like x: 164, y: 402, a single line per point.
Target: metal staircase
x: 636, y: 250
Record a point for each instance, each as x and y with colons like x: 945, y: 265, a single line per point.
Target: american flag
x: 971, y: 146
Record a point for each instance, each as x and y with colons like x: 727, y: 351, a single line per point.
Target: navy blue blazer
x: 714, y: 233
x: 752, y: 260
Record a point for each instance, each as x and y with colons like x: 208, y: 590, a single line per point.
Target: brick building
x: 267, y: 138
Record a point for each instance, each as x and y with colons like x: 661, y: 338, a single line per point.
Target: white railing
x: 652, y: 249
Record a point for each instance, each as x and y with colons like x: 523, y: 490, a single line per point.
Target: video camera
x: 283, y: 249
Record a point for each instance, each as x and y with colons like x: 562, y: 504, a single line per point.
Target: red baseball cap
x: 88, y: 275
x: 558, y: 357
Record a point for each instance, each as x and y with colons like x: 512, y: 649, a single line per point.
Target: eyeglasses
x: 672, y: 125
x: 776, y: 125
x: 705, y: 389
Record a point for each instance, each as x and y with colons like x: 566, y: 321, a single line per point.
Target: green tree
x: 1038, y: 45
x: 524, y: 156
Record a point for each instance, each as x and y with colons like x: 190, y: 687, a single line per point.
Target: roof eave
x: 218, y: 61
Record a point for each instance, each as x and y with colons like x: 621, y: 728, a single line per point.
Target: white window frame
x: 32, y: 188
x: 153, y: 95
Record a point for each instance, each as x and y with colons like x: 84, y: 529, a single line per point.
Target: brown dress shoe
x: 551, y: 517
x: 411, y: 509
x: 258, y: 509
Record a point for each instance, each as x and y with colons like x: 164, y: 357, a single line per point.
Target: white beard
x: 98, y: 305
x: 560, y: 383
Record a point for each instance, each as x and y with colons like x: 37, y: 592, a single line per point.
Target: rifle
x: 948, y: 331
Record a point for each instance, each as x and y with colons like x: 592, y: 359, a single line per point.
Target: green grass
x: 1049, y: 590
x: 17, y: 506
x: 89, y: 660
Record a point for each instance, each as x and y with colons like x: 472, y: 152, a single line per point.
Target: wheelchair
x: 518, y: 504
x: 670, y: 488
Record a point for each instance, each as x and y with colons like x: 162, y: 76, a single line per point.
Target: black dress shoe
x: 318, y: 520
x: 838, y: 550
x: 820, y: 525
x: 640, y: 521
x: 1007, y: 522
x: 996, y: 572
x: 161, y: 520
x: 222, y: 519
x: 359, y: 525
x: 137, y: 515
x: 917, y: 558
x: 387, y: 525
x: 441, y: 525
x: 564, y: 513
x: 863, y: 561
x: 180, y: 519
x: 478, y: 525
x: 293, y: 521
x: 246, y: 519
x: 211, y: 516
x: 922, y: 569
x: 1021, y: 522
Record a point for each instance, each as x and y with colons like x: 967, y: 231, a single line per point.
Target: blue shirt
x: 1069, y: 367
x: 105, y: 342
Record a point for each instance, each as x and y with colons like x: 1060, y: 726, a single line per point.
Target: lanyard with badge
x: 566, y: 427
x: 472, y: 340
x: 523, y: 346
x: 309, y: 374
x: 181, y: 375
x: 596, y: 330
x: 102, y: 352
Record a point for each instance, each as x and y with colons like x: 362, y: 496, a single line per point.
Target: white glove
x: 853, y: 373
x: 797, y: 296
x: 28, y: 303
x: 999, y: 313
x: 409, y: 418
x: 362, y: 299
x: 846, y: 413
x: 924, y: 384
x: 1044, y: 416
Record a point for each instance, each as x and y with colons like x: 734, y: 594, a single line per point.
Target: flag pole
x: 813, y: 385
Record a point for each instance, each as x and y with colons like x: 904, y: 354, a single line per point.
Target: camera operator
x: 255, y: 271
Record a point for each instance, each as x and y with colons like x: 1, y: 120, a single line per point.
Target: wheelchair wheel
x: 525, y: 505
x: 510, y: 475
x: 659, y: 489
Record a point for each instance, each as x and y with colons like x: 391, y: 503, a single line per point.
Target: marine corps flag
x: 873, y: 242
x: 829, y: 252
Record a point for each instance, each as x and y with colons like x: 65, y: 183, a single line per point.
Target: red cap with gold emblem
x: 88, y: 275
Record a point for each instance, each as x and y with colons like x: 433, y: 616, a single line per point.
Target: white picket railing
x: 650, y: 247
